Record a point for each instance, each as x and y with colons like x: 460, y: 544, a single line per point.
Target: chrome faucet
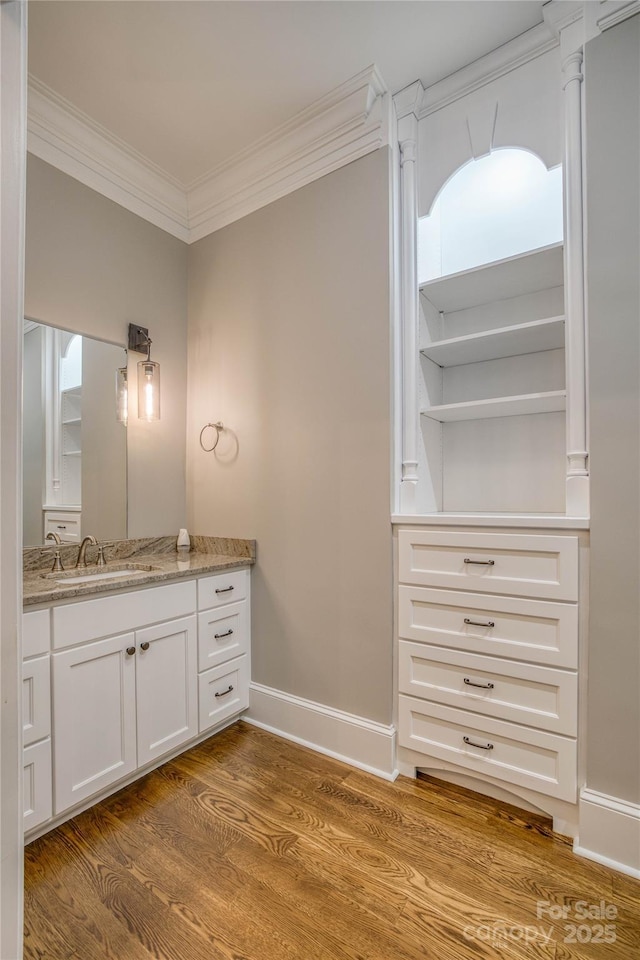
x: 82, y: 560
x: 53, y: 536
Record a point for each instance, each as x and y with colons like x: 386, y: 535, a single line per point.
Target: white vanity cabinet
x: 36, y: 719
x: 115, y: 683
x: 224, y: 633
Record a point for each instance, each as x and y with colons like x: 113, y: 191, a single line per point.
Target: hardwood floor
x: 251, y: 848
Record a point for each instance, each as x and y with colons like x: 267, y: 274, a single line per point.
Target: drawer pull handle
x: 219, y: 636
x: 483, y: 686
x: 223, y: 589
x: 131, y: 651
x: 225, y: 692
x: 480, y: 563
x: 62, y: 526
x: 481, y: 746
x: 479, y: 623
x: 144, y: 645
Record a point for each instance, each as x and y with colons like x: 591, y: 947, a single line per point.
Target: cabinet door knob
x: 144, y: 645
x: 131, y: 651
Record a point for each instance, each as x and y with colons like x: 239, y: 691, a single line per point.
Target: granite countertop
x: 155, y: 560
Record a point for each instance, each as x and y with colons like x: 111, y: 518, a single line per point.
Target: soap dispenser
x: 183, y: 543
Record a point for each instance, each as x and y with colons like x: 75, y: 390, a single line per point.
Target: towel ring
x: 218, y: 427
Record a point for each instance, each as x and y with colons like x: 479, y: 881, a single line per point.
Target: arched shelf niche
x: 499, y: 206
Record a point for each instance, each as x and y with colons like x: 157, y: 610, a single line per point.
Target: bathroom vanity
x: 123, y: 672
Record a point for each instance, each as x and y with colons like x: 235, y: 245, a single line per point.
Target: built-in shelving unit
x: 71, y: 446
x: 492, y: 392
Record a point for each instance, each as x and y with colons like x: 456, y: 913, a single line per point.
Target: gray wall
x: 612, y: 70
x: 93, y: 267
x: 289, y: 346
x: 104, y: 444
x: 32, y: 438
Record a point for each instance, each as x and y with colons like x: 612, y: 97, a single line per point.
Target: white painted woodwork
x: 523, y: 274
x: 223, y: 634
x: 223, y: 692
x: 537, y: 631
x: 407, y: 137
x: 166, y: 687
x: 36, y: 633
x: 36, y: 700
x: 90, y: 619
x: 513, y: 341
x: 222, y: 588
x: 548, y: 402
x: 66, y: 524
x: 577, y: 451
x: 525, y: 565
x: 521, y: 755
x: 36, y: 784
x: 94, y: 717
x: 532, y: 695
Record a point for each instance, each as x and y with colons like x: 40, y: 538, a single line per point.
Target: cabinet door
x: 36, y: 784
x: 36, y: 700
x: 166, y: 686
x: 94, y: 718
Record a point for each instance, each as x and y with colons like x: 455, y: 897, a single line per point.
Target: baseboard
x: 609, y: 832
x: 361, y: 743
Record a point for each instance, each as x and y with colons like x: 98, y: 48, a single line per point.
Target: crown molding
x: 613, y: 12
x: 346, y: 124
x: 68, y: 139
x: 511, y: 55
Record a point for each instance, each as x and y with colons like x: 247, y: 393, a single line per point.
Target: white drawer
x: 36, y: 784
x: 223, y: 633
x: 223, y: 692
x: 517, y: 628
x: 106, y: 616
x: 36, y: 633
x: 529, y: 758
x: 536, y: 696
x: 525, y: 565
x: 36, y: 699
x: 223, y: 588
x: 66, y: 525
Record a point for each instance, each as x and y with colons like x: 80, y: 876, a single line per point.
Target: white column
x: 577, y: 502
x: 407, y: 134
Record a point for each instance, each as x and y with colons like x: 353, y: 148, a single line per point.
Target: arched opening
x: 497, y: 207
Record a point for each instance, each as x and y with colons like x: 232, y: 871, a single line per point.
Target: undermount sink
x: 126, y: 571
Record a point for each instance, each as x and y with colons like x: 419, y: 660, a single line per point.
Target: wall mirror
x: 74, y: 448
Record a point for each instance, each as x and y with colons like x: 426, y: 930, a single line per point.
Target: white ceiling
x: 189, y: 84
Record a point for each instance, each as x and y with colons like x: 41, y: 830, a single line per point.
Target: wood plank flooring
x: 251, y: 848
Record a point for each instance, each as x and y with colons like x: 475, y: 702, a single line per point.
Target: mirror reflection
x: 74, y: 448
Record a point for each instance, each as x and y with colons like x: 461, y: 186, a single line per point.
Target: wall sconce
x: 148, y: 374
x: 122, y: 395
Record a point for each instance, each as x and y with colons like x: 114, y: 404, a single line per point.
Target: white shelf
x: 533, y: 337
x: 527, y: 273
x: 72, y: 453
x: 549, y: 402
x: 548, y: 521
x: 73, y: 421
x: 72, y: 392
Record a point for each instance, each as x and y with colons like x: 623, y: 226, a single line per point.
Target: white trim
x: 361, y: 743
x: 68, y: 139
x: 511, y: 55
x: 519, y: 520
x: 609, y: 832
x: 348, y: 123
x: 615, y: 11
x: 13, y: 112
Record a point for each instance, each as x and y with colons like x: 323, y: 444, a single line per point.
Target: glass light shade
x: 122, y: 396
x: 148, y: 390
